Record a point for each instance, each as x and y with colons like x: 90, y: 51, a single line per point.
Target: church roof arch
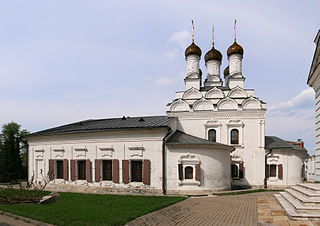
x: 251, y: 104
x: 214, y: 93
x: 179, y: 105
x: 227, y: 104
x: 203, y: 105
x: 237, y: 92
x: 192, y: 93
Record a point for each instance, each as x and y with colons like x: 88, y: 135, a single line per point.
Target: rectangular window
x: 59, y: 168
x: 234, y: 171
x: 136, y: 171
x: 81, y: 170
x: 273, y: 170
x: 107, y: 169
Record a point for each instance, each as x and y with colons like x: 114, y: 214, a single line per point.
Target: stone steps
x: 301, y: 202
x: 306, y: 192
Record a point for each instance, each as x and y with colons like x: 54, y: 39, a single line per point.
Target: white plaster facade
x: 176, y: 157
x: 314, y: 82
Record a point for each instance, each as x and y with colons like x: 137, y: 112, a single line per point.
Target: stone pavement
x: 250, y: 209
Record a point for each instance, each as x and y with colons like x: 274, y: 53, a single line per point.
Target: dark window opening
x: 136, y: 171
x: 273, y: 170
x: 234, y: 136
x: 59, y: 168
x: 212, y: 135
x: 107, y: 169
x: 81, y: 170
x: 188, y: 172
x: 234, y: 171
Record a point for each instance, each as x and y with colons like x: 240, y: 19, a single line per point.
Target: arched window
x: 234, y: 136
x: 212, y: 135
x: 188, y: 172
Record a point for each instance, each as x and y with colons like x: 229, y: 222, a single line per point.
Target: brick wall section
x: 51, y: 169
x: 115, y: 170
x: 97, y: 164
x: 125, y: 171
x: 146, y: 171
x: 88, y: 170
x: 198, y: 174
x: 73, y: 169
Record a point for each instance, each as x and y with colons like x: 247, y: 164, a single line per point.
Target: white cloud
x: 161, y: 81
x: 294, y: 119
x: 172, y: 53
x: 302, y: 100
x: 181, y: 38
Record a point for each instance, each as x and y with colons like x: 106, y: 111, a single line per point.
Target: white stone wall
x: 310, y: 169
x: 121, y: 145
x: 251, y: 127
x: 292, y: 164
x: 215, y: 169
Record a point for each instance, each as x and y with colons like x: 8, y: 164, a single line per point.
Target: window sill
x: 189, y: 182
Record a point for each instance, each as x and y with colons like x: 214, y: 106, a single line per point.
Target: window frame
x: 58, y: 163
x: 210, y: 136
x: 103, y: 176
x: 84, y: 170
x: 131, y: 170
x: 275, y: 170
x: 237, y: 176
x: 232, y: 141
x: 191, y: 173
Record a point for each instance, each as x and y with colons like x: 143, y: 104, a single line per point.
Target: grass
x: 91, y: 209
x: 246, y: 192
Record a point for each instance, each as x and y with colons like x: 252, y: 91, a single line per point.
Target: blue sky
x: 64, y: 61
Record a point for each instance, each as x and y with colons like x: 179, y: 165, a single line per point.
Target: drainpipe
x: 265, y: 164
x: 164, y: 163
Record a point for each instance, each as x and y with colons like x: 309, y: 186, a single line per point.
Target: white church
x: 212, y: 138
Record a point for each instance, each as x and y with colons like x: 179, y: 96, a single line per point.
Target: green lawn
x: 91, y: 209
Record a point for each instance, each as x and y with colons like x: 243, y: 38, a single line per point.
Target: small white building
x: 212, y: 138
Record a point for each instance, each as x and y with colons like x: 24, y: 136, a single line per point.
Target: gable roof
x: 272, y: 142
x: 181, y: 138
x: 315, y: 61
x: 108, y: 124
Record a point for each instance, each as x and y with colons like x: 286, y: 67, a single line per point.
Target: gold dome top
x: 213, y: 54
x: 226, y: 71
x: 235, y: 48
x: 193, y: 49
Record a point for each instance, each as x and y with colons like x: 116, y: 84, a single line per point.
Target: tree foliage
x: 13, y: 145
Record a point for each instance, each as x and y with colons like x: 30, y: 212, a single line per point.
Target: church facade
x: 212, y: 139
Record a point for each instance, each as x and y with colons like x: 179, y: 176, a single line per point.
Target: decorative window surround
x: 189, y: 160
x: 106, y: 151
x: 39, y: 153
x: 80, y: 151
x: 58, y: 152
x: 239, y: 125
x: 136, y: 151
x: 213, y: 125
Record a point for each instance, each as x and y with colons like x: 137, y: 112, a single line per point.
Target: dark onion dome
x: 235, y: 48
x: 193, y: 49
x: 226, y: 71
x: 213, y: 54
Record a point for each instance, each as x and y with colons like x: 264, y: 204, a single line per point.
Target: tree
x: 13, y: 145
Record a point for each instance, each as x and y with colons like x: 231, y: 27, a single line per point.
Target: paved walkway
x: 251, y: 209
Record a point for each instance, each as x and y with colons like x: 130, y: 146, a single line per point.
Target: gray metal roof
x: 108, y: 124
x: 272, y: 142
x: 181, y: 138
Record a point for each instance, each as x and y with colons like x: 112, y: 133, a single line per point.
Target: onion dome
x: 193, y: 49
x: 235, y: 48
x: 213, y: 54
x: 226, y: 71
